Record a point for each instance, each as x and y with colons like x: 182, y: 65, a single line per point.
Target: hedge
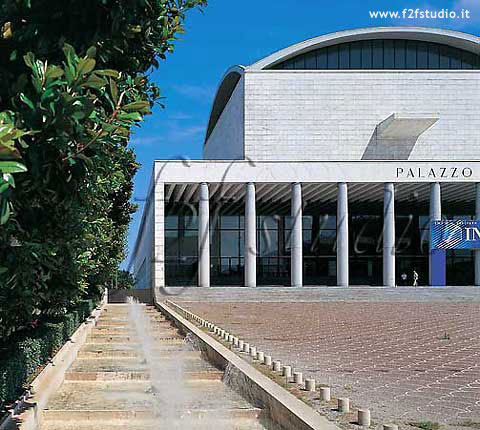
x: 21, y: 360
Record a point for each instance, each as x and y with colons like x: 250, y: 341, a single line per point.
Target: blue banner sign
x: 457, y: 234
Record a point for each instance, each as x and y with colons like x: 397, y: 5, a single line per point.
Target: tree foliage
x: 73, y: 84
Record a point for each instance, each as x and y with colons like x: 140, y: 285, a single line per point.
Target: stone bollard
x: 240, y: 345
x: 298, y: 377
x: 287, y: 372
x: 226, y: 336
x: 246, y: 348
x: 363, y: 417
x: 235, y: 342
x: 390, y: 427
x: 277, y: 366
x: 222, y: 333
x: 325, y: 394
x: 343, y: 405
x: 268, y: 360
x: 261, y: 357
x: 310, y: 384
x: 230, y: 338
x: 253, y: 352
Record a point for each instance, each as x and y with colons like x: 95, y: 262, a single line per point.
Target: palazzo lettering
x: 434, y: 172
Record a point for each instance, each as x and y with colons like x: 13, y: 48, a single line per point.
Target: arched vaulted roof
x: 454, y: 39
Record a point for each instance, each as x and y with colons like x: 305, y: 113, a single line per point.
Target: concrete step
x: 138, y: 365
x: 145, y: 414
x: 112, y: 350
x: 125, y: 354
x: 128, y: 327
x: 132, y: 339
x: 156, y: 424
x: 138, y: 376
x: 125, y: 396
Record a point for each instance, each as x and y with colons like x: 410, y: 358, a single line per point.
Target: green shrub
x: 69, y: 326
x: 21, y: 361
x: 53, y: 338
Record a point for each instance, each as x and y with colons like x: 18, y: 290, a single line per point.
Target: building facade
x: 324, y: 164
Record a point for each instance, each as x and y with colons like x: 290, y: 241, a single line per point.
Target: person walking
x: 415, y: 278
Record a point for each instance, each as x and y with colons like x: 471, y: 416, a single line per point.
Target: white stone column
x: 250, y: 245
x: 477, y: 251
x: 435, y: 215
x: 389, y: 235
x: 296, y: 238
x: 204, y: 237
x: 342, y: 235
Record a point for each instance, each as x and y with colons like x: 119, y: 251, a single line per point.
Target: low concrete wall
x: 27, y: 414
x: 283, y: 407
x: 120, y: 296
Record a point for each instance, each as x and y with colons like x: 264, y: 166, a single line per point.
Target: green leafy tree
x: 73, y: 84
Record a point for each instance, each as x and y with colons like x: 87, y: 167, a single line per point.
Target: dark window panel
x: 322, y: 58
x: 299, y: 62
x: 411, y: 55
x: 344, y: 56
x: 467, y: 60
x: 356, y: 55
x: 422, y: 55
x: 433, y: 56
x: 400, y: 53
x: 388, y: 54
x: 455, y: 58
x: 377, y: 54
x: 333, y: 57
x: 367, y: 54
x: 384, y: 54
x: 444, y: 57
x: 311, y: 60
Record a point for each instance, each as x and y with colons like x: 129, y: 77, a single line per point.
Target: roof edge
x: 456, y: 39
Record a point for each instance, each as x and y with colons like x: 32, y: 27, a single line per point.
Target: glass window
x: 230, y: 222
x: 311, y: 60
x: 377, y: 54
x: 388, y: 54
x: 411, y: 54
x: 171, y: 222
x: 344, y: 56
x: 268, y: 243
x: 299, y: 62
x: 356, y: 55
x: 333, y: 57
x: 189, y: 222
x: 328, y: 222
x: 455, y: 59
x: 229, y: 243
x: 268, y: 222
x: 384, y: 54
x: 367, y: 54
x: 422, y: 55
x: 171, y: 243
x: 433, y: 56
x: 444, y: 57
x: 467, y: 60
x: 322, y: 58
x: 399, y: 47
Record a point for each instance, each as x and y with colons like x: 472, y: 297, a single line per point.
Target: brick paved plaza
x: 408, y: 355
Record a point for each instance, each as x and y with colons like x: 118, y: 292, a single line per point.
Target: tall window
x: 383, y: 54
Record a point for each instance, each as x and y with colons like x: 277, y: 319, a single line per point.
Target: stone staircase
x: 110, y: 384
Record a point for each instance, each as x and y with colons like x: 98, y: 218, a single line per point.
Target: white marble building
x: 323, y: 165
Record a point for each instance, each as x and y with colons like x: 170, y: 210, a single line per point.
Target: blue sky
x: 228, y: 33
